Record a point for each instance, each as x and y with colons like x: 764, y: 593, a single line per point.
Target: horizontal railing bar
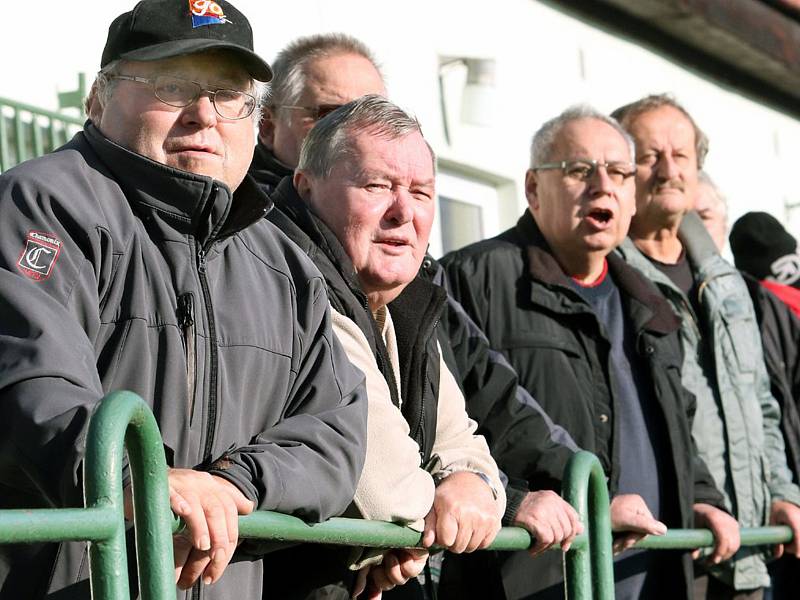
x: 13, y: 104
x: 57, y: 525
x: 272, y: 526
x: 686, y: 539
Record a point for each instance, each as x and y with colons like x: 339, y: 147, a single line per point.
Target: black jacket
x: 266, y: 169
x: 780, y: 338
x: 514, y: 289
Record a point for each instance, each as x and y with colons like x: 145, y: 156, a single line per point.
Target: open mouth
x: 600, y: 215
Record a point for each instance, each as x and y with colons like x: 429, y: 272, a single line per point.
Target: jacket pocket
x: 742, y: 344
x: 537, y: 340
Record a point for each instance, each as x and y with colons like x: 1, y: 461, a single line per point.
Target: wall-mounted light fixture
x: 478, y: 96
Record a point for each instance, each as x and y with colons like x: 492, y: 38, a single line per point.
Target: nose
x: 201, y: 113
x: 666, y: 168
x: 600, y: 183
x: 401, y: 210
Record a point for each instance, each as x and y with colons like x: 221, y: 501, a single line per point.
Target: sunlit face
x: 194, y: 138
x: 666, y: 161
x: 712, y: 211
x: 379, y: 202
x: 330, y: 81
x: 582, y: 217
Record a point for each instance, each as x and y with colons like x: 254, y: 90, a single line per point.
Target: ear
x: 302, y: 184
x: 266, y: 129
x: 531, y: 189
x: 93, y: 106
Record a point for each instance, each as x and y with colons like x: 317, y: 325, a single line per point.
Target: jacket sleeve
x: 393, y: 485
x: 457, y: 447
x: 780, y: 477
x: 309, y: 463
x: 526, y: 443
x: 49, y: 384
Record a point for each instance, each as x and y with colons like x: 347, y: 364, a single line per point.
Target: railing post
x: 589, y: 571
x: 123, y: 415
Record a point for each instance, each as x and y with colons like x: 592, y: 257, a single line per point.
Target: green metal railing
x: 28, y: 131
x: 123, y: 420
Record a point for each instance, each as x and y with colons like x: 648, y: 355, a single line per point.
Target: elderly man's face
x: 576, y: 215
x: 666, y: 163
x: 194, y: 138
x: 330, y: 81
x: 379, y: 201
x: 712, y: 211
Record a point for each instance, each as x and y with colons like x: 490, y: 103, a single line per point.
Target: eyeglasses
x: 180, y: 93
x: 316, y: 112
x: 585, y: 169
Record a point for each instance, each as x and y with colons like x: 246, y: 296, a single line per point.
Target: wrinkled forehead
x: 407, y: 155
x: 204, y: 67
x: 590, y: 138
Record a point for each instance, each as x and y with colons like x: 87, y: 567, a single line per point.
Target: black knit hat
x: 762, y: 247
x: 157, y: 29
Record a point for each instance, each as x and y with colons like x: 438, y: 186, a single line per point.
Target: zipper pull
x: 201, y: 260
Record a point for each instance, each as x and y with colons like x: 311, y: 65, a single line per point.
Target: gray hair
x: 721, y: 200
x: 288, y: 68
x: 104, y: 84
x: 332, y: 137
x: 545, y: 138
x: 628, y: 113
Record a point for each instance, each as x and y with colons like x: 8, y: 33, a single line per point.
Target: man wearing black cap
x: 137, y: 257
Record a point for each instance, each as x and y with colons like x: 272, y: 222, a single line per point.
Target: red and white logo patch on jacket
x: 38, y: 258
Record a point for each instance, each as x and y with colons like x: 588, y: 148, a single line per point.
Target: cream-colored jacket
x: 393, y: 485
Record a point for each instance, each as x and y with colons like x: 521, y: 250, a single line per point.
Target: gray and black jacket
x: 164, y: 283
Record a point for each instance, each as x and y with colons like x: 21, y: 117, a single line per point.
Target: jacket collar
x: 309, y: 232
x: 192, y: 204
x: 647, y: 307
x: 266, y: 169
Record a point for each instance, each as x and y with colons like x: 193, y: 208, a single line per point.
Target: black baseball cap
x: 157, y: 29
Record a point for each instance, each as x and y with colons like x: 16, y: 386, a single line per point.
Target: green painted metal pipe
x: 687, y: 539
x: 56, y: 524
x: 40, y: 111
x: 577, y: 563
x: 124, y: 416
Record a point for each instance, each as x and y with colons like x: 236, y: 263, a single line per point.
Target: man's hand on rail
x: 786, y: 513
x: 630, y: 515
x: 398, y: 566
x: 464, y: 514
x: 210, y: 506
x: 549, y: 519
x: 724, y: 527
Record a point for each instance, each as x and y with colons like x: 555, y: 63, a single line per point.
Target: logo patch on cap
x: 39, y: 256
x: 206, y: 12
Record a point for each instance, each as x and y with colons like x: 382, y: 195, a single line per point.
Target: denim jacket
x: 737, y: 424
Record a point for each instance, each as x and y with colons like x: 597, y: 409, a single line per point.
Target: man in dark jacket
x: 129, y: 259
x: 597, y: 344
x: 314, y: 75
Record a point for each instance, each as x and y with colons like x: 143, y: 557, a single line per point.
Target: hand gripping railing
x: 124, y: 416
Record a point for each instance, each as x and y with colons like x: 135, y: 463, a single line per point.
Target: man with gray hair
x: 312, y: 76
x: 737, y: 427
x: 318, y: 72
x: 597, y: 344
x: 128, y: 261
x: 361, y: 204
x: 712, y: 208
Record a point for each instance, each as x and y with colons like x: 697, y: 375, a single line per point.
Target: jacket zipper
x: 213, y: 359
x: 187, y: 324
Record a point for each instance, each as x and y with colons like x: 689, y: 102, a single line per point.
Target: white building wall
x: 546, y: 60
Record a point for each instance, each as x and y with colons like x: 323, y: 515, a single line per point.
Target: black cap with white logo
x: 157, y: 29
